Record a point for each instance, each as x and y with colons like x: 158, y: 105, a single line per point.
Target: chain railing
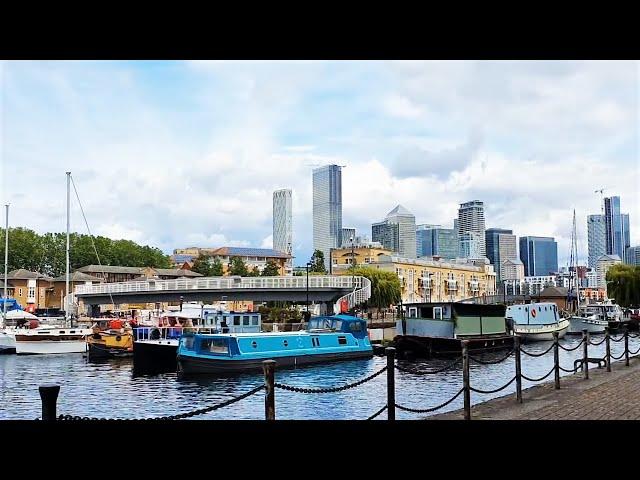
x: 49, y: 393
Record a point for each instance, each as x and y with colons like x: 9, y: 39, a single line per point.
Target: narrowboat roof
x: 462, y: 308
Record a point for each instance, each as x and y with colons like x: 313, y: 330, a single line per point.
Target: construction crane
x: 320, y: 165
x: 601, y: 190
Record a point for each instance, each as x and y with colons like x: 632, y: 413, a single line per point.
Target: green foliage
x: 202, y: 265
x: 317, y: 262
x: 385, y: 286
x: 47, y: 253
x: 217, y: 270
x: 238, y: 267
x: 623, y: 284
x: 255, y: 272
x: 271, y: 269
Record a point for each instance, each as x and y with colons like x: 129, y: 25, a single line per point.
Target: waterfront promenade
x: 605, y: 395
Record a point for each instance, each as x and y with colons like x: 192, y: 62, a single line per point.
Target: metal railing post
x: 556, y: 359
x: 585, y: 354
x: 626, y: 345
x: 516, y: 347
x: 607, y: 340
x: 391, y: 384
x: 49, y: 397
x: 465, y: 380
x: 268, y: 367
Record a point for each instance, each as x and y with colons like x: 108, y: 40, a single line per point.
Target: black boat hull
x: 154, y: 357
x: 192, y: 365
x: 435, y: 347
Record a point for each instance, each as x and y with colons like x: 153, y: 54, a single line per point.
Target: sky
x: 188, y: 153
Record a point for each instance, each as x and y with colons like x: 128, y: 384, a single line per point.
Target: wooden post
x: 391, y: 384
x: 556, y: 359
x: 585, y: 354
x: 465, y: 380
x: 269, y: 367
x: 607, y: 342
x: 626, y: 345
x: 49, y: 397
x: 516, y: 346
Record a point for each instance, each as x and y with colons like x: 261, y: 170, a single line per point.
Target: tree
x: 385, y: 286
x: 202, y: 265
x: 623, y: 284
x: 217, y: 270
x: 255, y: 272
x: 271, y: 269
x: 238, y: 267
x: 317, y: 262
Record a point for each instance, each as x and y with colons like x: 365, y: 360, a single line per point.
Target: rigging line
x: 89, y: 230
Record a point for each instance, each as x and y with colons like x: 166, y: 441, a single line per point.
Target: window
x: 437, y: 313
x: 187, y: 342
x: 236, y: 320
x: 356, y: 327
x: 285, y: 343
x: 413, y: 312
x: 213, y: 345
x: 342, y: 340
x: 337, y: 324
x: 254, y: 320
x: 245, y: 320
x: 20, y: 292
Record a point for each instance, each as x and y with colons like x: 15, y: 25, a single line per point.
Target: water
x: 108, y: 389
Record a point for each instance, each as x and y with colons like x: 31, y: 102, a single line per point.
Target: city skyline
x: 173, y: 154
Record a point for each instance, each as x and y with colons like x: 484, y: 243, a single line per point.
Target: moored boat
x: 46, y: 340
x: 537, y: 321
x: 437, y: 329
x: 591, y: 318
x: 110, y: 338
x: 327, y: 338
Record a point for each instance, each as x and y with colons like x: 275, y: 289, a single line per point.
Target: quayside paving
x: 605, y: 395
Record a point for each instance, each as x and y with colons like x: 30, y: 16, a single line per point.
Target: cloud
x: 399, y: 106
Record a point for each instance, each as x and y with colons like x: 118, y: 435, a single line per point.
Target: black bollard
x: 465, y: 380
x: 516, y: 347
x: 268, y: 367
x: 607, y: 343
x: 585, y: 354
x: 556, y: 359
x: 626, y: 345
x: 49, y: 397
x: 391, y: 384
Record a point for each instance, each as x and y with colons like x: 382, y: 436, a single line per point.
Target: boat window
x: 437, y: 313
x: 254, y: 344
x: 413, y: 312
x: 245, y: 320
x: 337, y: 324
x: 187, y: 342
x: 285, y: 343
x: 61, y: 331
x: 356, y: 327
x: 236, y: 320
x: 254, y: 320
x: 342, y: 340
x: 214, y: 345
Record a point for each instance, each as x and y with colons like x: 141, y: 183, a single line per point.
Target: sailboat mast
x: 66, y: 308
x: 574, y: 247
x: 6, y: 262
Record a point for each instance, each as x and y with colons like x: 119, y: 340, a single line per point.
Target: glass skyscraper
x: 282, y: 223
x: 539, y: 255
x: 397, y: 232
x: 471, y: 219
x: 435, y: 240
x: 501, y: 246
x: 616, y: 227
x: 596, y: 238
x: 327, y: 210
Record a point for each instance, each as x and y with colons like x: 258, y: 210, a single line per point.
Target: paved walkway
x: 606, y: 395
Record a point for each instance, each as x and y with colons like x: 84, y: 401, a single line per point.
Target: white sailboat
x: 7, y: 339
x: 586, y: 317
x: 51, y: 340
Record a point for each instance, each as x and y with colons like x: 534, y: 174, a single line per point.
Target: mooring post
x: 465, y: 380
x: 607, y: 342
x: 516, y: 347
x: 49, y: 397
x: 626, y: 345
x: 269, y: 367
x: 391, y: 383
x: 585, y: 354
x: 556, y: 359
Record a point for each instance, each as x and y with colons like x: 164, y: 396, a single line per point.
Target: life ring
x: 155, y: 334
x: 533, y: 312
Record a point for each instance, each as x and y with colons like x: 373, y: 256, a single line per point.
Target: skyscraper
x: 327, y: 210
x: 347, y: 235
x: 596, y: 238
x: 469, y: 245
x: 282, y: 223
x: 436, y: 240
x: 397, y: 232
x: 633, y: 256
x: 616, y: 227
x: 471, y: 219
x: 539, y: 255
x: 501, y: 246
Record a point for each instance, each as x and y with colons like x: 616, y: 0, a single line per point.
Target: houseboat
x: 437, y: 329
x: 537, y: 321
x: 110, y: 338
x: 591, y: 318
x: 327, y: 338
x: 155, y: 348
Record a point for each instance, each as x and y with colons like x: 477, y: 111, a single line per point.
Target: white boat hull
x: 539, y: 333
x: 51, y: 347
x: 7, y: 343
x: 578, y: 324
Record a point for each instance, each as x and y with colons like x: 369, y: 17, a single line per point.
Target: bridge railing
x: 213, y: 283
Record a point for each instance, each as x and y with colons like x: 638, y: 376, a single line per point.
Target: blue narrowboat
x: 327, y: 338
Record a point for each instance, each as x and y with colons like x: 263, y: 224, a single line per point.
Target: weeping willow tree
x: 623, y: 284
x: 385, y: 286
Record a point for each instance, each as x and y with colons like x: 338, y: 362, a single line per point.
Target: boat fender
x: 118, y: 338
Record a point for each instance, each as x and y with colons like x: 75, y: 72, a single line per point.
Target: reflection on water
x: 108, y: 388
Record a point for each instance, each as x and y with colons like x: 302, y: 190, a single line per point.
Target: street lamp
x: 307, y: 268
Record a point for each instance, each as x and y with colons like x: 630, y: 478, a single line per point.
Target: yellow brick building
x: 423, y: 280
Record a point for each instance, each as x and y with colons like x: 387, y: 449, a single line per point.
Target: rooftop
x: 250, y: 252
x: 78, y: 276
x: 22, y: 274
x: 399, y: 210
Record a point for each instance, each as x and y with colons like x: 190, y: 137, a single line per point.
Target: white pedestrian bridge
x: 317, y: 288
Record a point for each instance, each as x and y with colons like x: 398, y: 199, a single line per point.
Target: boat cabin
x: 543, y: 313
x: 452, y: 320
